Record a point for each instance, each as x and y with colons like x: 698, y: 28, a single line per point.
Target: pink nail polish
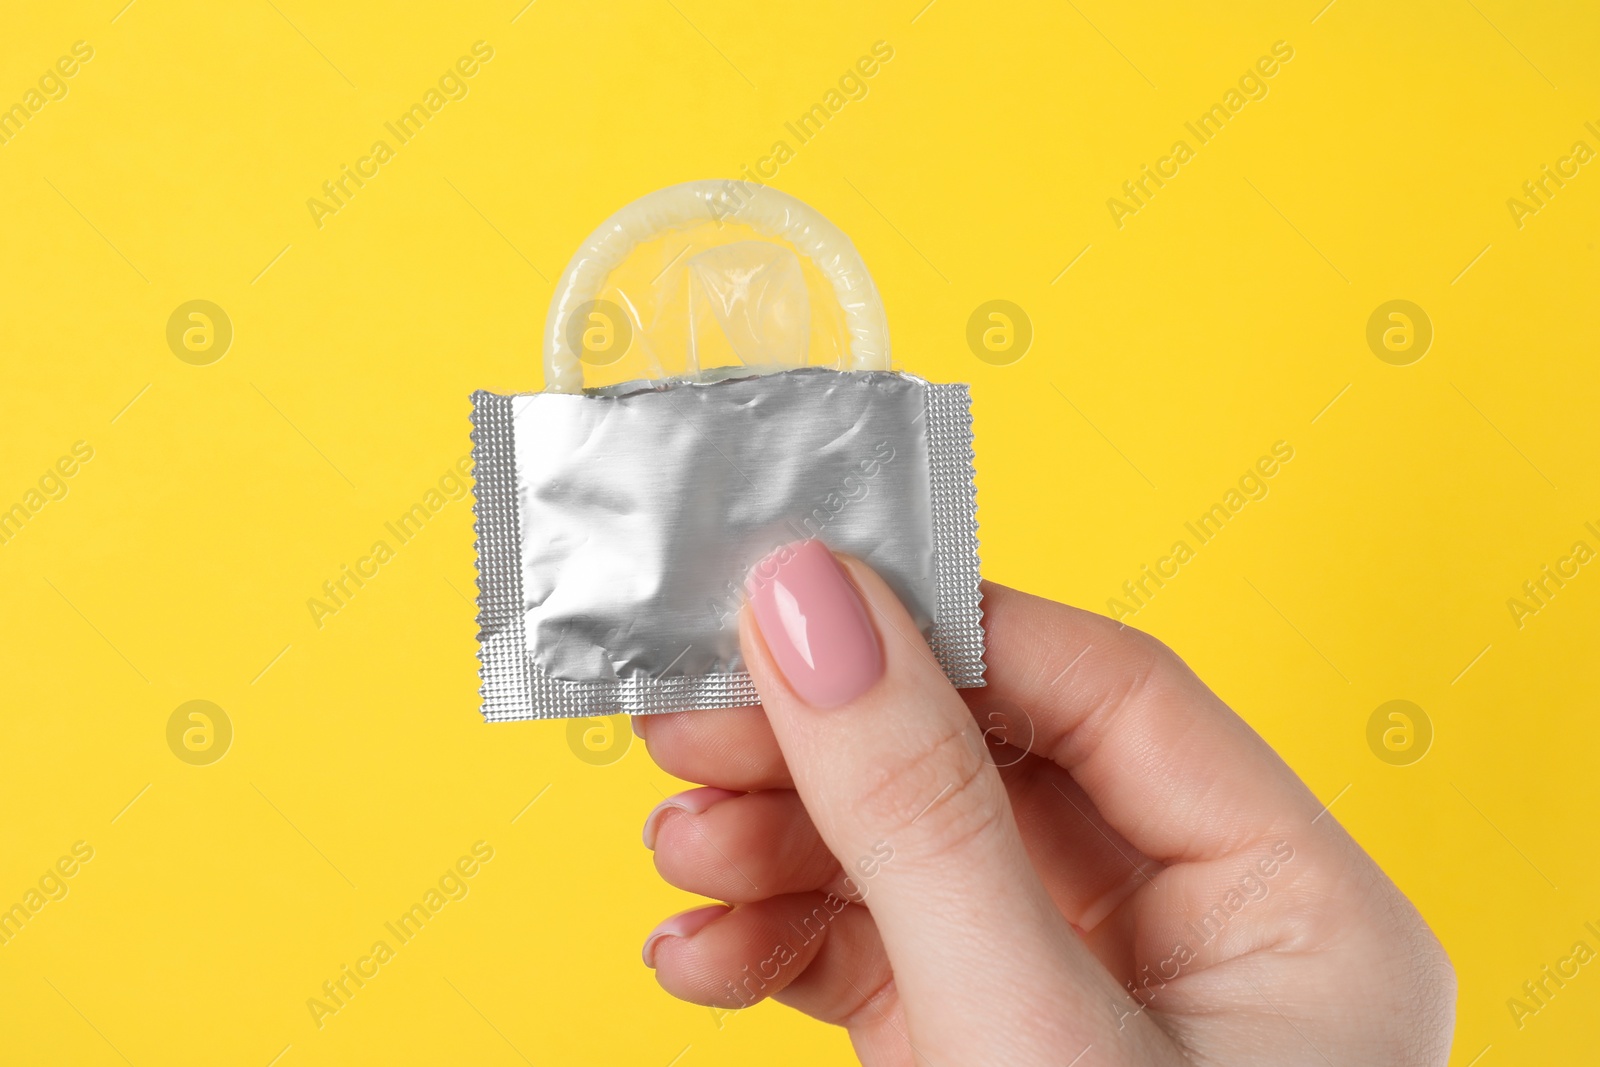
x: 815, y: 624
x: 694, y: 801
x: 684, y: 924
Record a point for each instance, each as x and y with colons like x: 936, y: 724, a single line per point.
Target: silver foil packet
x: 616, y: 526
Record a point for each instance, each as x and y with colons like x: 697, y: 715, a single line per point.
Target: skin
x: 1092, y: 822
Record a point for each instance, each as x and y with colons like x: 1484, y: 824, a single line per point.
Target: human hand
x: 1090, y: 861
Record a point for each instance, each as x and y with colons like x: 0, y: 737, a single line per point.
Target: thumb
x: 893, y: 770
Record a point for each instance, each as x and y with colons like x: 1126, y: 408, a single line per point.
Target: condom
x: 617, y: 522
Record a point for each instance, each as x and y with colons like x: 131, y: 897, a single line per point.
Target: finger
x: 816, y: 954
x: 1086, y: 865
x: 743, y: 847
x: 733, y: 957
x: 848, y: 974
x: 1167, y: 764
x: 891, y: 765
x: 739, y: 846
x: 849, y: 983
x: 813, y: 953
x: 728, y: 747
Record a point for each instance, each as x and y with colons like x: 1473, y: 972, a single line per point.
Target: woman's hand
x: 1090, y: 861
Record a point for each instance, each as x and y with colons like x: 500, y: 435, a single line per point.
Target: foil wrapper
x: 615, y: 527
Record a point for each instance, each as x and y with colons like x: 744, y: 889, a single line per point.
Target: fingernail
x: 684, y: 924
x: 815, y: 624
x: 637, y: 721
x: 693, y: 801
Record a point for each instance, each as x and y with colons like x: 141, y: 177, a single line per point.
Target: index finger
x: 1167, y: 763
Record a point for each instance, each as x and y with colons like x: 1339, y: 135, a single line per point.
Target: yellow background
x: 1226, y: 315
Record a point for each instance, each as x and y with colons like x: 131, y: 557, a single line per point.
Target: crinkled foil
x: 615, y: 528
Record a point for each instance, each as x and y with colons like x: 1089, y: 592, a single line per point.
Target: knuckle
x: 935, y: 798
